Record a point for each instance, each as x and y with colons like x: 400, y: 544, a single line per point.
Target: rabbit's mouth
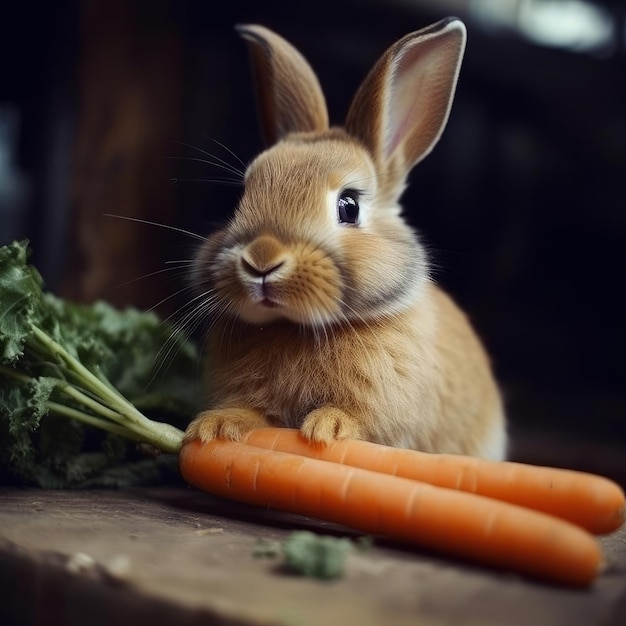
x: 262, y: 304
x: 265, y: 295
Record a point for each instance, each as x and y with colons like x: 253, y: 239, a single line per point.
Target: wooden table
x: 177, y: 556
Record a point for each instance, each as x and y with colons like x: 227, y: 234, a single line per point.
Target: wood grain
x: 176, y: 555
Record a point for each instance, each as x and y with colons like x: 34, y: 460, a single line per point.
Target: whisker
x: 164, y: 358
x: 221, y: 181
x: 208, y: 312
x: 224, y: 147
x: 224, y: 166
x: 182, y: 265
x: 173, y: 315
x: 149, y: 223
x: 181, y: 262
x: 219, y: 162
x: 184, y: 328
x: 172, y: 295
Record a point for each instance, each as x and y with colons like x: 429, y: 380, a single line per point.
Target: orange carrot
x: 465, y: 525
x: 593, y: 502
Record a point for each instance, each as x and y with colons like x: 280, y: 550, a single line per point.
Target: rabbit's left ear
x: 403, y: 104
x: 289, y: 95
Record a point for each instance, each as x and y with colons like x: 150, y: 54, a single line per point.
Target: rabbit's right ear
x: 289, y: 95
x: 403, y: 104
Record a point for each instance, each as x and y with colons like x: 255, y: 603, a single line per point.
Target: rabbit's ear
x: 402, y: 106
x: 289, y: 95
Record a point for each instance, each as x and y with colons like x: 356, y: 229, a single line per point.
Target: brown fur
x: 336, y: 328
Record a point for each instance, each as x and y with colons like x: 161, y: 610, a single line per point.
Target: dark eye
x: 348, y: 207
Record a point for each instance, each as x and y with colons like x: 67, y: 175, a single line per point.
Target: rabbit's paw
x: 225, y: 424
x: 328, y: 423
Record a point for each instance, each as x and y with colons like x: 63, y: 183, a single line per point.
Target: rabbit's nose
x: 263, y: 256
x: 259, y: 272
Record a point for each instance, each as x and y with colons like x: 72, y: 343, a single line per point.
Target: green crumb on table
x: 316, y: 556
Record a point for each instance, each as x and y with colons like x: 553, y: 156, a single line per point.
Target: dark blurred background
x: 110, y: 107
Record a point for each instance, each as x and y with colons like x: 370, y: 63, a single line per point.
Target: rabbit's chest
x: 290, y: 376
x: 284, y: 384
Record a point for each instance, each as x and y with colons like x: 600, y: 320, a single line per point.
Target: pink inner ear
x: 419, y: 98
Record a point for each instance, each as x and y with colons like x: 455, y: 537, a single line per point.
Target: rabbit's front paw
x: 231, y: 424
x: 328, y: 423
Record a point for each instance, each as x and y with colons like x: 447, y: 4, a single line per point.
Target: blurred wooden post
x: 129, y: 91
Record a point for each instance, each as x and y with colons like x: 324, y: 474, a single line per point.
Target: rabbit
x: 326, y: 318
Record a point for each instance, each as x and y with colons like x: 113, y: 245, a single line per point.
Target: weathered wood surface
x: 173, y: 555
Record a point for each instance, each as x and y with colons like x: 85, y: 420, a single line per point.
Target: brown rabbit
x: 326, y: 318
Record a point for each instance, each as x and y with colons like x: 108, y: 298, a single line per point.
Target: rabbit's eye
x: 348, y: 207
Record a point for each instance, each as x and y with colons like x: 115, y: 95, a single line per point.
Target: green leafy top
x: 95, y: 364
x: 20, y: 299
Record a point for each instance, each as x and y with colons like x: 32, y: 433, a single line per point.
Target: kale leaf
x: 116, y: 370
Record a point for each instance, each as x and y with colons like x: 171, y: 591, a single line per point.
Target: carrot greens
x: 94, y: 364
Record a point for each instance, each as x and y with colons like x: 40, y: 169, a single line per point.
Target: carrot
x: 593, y: 502
x: 466, y: 525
